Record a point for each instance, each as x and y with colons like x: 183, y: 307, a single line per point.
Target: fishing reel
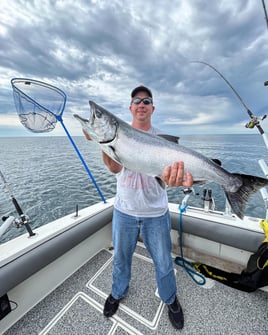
x: 21, y: 221
x: 18, y: 222
x: 255, y: 121
x: 11, y: 220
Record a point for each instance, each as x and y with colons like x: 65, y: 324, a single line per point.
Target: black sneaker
x: 175, y: 314
x: 110, y: 306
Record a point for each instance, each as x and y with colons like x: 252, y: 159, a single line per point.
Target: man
x: 141, y: 206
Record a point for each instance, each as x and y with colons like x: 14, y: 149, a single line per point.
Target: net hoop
x: 39, y: 105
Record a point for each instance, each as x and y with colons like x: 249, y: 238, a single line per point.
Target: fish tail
x: 239, y: 199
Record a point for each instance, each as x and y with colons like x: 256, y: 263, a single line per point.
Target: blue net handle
x: 82, y: 160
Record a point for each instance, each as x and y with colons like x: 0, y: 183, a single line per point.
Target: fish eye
x: 98, y: 113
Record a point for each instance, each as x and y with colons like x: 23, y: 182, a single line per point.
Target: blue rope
x: 181, y: 261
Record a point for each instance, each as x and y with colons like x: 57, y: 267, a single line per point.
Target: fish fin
x: 112, y: 153
x: 170, y: 138
x: 217, y: 161
x: 239, y: 199
x: 200, y: 182
x: 161, y: 182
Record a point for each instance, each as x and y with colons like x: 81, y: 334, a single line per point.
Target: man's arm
x: 112, y: 165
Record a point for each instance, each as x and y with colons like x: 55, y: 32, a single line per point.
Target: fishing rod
x: 23, y: 221
x: 254, y: 122
x: 265, y: 13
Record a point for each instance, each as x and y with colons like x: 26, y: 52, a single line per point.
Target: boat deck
x: 75, y: 307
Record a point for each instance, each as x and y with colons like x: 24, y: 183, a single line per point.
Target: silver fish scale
x: 150, y: 154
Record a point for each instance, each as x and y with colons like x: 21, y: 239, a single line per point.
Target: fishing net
x: 39, y: 105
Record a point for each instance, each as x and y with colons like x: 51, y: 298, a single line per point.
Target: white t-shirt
x: 139, y: 194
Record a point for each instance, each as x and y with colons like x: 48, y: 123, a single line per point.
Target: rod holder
x: 264, y: 167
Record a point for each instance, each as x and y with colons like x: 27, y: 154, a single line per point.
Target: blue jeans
x: 156, y: 237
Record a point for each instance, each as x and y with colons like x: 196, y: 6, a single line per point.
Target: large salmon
x: 149, y: 154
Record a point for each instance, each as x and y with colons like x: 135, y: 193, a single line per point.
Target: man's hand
x: 174, y: 176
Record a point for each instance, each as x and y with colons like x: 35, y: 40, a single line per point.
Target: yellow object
x: 264, y: 225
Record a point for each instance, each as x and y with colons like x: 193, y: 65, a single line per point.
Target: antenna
x: 265, y: 13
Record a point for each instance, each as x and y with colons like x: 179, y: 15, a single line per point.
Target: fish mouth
x: 84, y: 122
x: 92, y: 117
x: 80, y: 119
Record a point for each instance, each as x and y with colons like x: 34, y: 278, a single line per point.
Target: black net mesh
x: 39, y: 105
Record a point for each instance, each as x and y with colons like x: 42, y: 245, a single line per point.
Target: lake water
x: 48, y: 179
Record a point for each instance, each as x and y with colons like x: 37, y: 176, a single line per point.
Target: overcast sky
x: 100, y: 50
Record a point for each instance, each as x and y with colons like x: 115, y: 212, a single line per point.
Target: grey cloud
x: 101, y: 49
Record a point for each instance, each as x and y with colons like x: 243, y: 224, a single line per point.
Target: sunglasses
x: 146, y: 101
